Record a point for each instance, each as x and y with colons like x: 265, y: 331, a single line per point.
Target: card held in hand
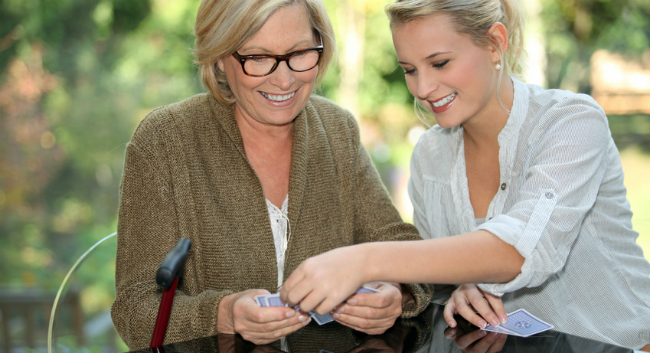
x: 269, y: 300
x: 274, y: 300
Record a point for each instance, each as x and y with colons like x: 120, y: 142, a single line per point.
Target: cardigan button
x: 549, y: 195
x: 503, y: 186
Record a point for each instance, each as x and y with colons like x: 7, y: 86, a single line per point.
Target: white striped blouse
x: 561, y: 204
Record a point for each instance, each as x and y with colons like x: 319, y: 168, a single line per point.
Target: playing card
x: 274, y: 300
x: 261, y: 300
x: 365, y: 289
x: 498, y: 329
x: 524, y: 324
x: 269, y: 300
x: 321, y: 319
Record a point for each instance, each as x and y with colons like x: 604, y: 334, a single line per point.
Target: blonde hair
x: 472, y: 18
x: 223, y: 26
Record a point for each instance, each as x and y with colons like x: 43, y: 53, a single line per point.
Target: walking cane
x: 167, y: 277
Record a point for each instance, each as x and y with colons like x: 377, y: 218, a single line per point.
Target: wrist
x: 225, y: 320
x: 407, y: 295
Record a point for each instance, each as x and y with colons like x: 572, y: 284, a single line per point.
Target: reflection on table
x: 427, y: 333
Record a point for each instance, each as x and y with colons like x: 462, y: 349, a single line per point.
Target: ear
x: 498, y: 33
x: 220, y: 65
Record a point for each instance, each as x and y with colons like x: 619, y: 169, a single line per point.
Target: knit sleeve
x: 147, y: 230
x: 376, y: 219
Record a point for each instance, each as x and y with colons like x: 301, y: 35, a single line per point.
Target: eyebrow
x: 304, y: 41
x: 428, y: 57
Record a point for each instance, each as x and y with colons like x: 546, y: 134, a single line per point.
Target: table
x: 426, y: 333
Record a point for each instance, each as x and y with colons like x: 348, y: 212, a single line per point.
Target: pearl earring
x: 498, y: 66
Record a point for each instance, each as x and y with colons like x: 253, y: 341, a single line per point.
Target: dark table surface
x: 427, y: 333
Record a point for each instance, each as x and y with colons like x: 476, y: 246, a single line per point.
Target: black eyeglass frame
x: 278, y: 59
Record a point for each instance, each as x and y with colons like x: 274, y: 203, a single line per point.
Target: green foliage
x: 61, y: 127
x: 574, y: 29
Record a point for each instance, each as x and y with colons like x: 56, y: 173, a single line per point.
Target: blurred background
x: 76, y: 77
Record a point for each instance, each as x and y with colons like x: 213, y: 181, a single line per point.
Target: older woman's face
x: 276, y: 99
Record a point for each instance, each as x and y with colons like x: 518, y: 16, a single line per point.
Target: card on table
x: 521, y: 323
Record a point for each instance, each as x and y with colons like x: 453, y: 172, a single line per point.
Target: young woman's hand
x: 371, y: 313
x: 477, y: 341
x: 240, y: 313
x: 467, y: 298
x: 323, y: 282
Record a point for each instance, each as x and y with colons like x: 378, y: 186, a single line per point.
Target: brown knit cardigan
x: 186, y: 175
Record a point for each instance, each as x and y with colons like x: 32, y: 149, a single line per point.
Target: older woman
x: 259, y: 175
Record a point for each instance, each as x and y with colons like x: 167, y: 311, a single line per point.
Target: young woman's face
x: 278, y: 98
x: 450, y: 75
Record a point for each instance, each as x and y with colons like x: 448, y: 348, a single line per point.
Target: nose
x: 282, y: 77
x: 426, y: 85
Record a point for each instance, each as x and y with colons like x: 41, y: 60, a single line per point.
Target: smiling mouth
x: 278, y: 98
x: 443, y: 101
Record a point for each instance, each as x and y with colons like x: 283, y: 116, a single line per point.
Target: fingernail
x: 482, y: 333
x: 504, y: 319
x: 494, y: 322
x: 291, y: 313
x: 482, y: 324
x: 352, y: 302
x: 493, y: 334
x: 335, y: 315
x: 339, y: 309
x: 306, y: 321
x: 303, y: 317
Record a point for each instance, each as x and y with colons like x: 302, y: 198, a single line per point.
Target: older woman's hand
x: 372, y: 313
x: 240, y: 313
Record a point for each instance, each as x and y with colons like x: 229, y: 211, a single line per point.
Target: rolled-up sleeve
x: 567, y: 163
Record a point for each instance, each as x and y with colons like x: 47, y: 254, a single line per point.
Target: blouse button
x: 503, y: 186
x: 549, y: 195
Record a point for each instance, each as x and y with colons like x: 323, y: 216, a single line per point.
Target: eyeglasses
x: 263, y: 65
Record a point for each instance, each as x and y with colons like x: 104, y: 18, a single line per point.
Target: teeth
x: 278, y: 98
x: 444, y: 101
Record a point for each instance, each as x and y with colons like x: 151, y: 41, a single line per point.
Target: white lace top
x: 279, y: 225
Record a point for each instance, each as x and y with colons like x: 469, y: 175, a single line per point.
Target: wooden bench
x: 30, y: 309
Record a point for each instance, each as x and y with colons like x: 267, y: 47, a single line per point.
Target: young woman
x: 518, y: 190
